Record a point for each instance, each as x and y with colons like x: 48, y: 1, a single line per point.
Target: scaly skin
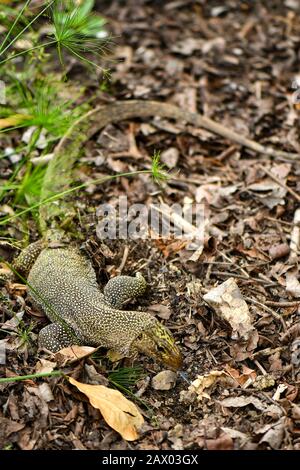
x: 63, y: 283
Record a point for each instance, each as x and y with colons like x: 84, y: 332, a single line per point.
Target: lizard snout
x: 173, y: 359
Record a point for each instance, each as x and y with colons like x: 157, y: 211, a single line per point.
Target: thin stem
x: 129, y: 392
x: 14, y: 24
x: 59, y: 53
x: 27, y: 50
x: 26, y: 27
x: 68, y: 191
x: 83, y: 58
x: 18, y: 378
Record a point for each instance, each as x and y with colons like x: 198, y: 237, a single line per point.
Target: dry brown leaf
x: 199, y: 387
x: 227, y: 301
x: 273, y: 433
x: 223, y: 442
x: 162, y: 311
x: 292, y: 283
x: 73, y: 354
x: 16, y: 288
x: 14, y: 120
x: 170, y: 246
x: 44, y: 366
x: 204, y: 382
x: 241, y: 378
x: 119, y: 412
x: 241, y: 401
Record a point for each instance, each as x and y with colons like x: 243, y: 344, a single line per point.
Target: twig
x: 268, y: 351
x: 260, y: 367
x: 291, y: 303
x: 226, y: 153
x: 280, y: 182
x: 124, y: 259
x: 243, y: 278
x: 237, y: 266
x: 269, y: 310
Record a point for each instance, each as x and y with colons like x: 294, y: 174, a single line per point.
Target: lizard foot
x: 54, y: 337
x: 120, y: 289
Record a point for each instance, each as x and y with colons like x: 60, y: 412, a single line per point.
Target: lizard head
x: 157, y: 342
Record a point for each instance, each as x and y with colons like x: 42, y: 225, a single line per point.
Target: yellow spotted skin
x: 120, y: 289
x: 63, y: 283
x: 24, y: 262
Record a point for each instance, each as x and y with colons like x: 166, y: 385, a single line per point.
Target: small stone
x: 170, y: 157
x: 164, y: 380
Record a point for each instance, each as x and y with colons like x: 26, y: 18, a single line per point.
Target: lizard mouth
x: 174, y: 359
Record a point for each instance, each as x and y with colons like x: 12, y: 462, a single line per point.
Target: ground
x: 237, y: 63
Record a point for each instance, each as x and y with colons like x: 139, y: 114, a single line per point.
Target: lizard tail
x: 58, y: 177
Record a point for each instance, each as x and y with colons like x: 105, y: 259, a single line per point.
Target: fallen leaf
x: 94, y: 377
x: 241, y: 350
x: 119, y: 412
x: 201, y: 384
x: 44, y: 366
x: 223, y: 442
x: 45, y: 392
x: 8, y: 427
x: 269, y: 192
x: 13, y: 323
x: 16, y: 288
x: 273, y: 433
x: 238, y: 402
x: 227, y: 301
x: 162, y: 311
x: 170, y: 157
x: 73, y: 354
x: 248, y: 375
x: 292, y: 283
x: 14, y: 120
x: 169, y: 246
x: 235, y: 434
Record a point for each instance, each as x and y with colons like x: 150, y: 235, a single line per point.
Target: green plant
x: 42, y: 105
x: 126, y: 377
x: 79, y: 31
x: 29, y: 190
x: 158, y: 177
x: 24, y: 333
x: 75, y: 29
x: 158, y: 169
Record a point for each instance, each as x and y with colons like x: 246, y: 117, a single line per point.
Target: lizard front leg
x: 24, y: 262
x: 55, y: 337
x: 120, y: 289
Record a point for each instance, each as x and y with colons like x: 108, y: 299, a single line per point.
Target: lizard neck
x: 113, y: 329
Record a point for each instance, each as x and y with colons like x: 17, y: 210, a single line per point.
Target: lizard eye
x: 160, y: 349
